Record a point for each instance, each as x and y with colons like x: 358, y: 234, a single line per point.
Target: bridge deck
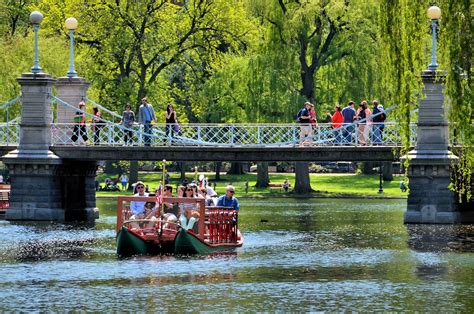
x: 216, y: 153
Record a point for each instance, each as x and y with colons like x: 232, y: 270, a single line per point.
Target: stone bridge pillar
x: 44, y: 187
x: 35, y: 189
x: 77, y: 177
x: 71, y: 90
x: 430, y: 168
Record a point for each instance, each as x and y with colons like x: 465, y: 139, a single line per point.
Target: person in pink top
x: 362, y: 115
x: 312, y: 119
x: 97, y: 124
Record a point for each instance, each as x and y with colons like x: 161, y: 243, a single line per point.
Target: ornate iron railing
x: 231, y: 135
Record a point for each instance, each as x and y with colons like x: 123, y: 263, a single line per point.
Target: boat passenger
x: 195, y: 189
x: 170, y: 220
x: 209, y: 200
x: 210, y: 191
x: 228, y: 200
x: 192, y: 222
x: 186, y: 208
x: 137, y: 208
x: 169, y: 206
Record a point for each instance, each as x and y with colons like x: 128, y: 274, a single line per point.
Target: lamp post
x: 71, y: 25
x: 434, y: 13
x: 381, y: 178
x: 35, y: 19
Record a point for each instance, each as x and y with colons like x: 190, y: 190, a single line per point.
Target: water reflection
x: 441, y: 238
x: 299, y: 255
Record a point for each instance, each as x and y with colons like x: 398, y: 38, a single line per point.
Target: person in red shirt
x: 337, y: 121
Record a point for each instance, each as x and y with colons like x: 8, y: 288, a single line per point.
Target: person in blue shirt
x: 146, y: 116
x: 228, y: 200
x: 348, y: 113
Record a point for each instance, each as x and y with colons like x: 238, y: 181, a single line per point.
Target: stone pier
x: 44, y: 186
x: 431, y: 163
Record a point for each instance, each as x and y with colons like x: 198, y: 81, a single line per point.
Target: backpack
x: 300, y: 113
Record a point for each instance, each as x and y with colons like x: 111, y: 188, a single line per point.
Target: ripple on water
x: 309, y: 255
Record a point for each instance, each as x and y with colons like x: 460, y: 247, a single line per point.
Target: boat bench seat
x: 4, y: 199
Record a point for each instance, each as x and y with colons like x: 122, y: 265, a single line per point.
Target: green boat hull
x: 129, y: 244
x: 186, y: 243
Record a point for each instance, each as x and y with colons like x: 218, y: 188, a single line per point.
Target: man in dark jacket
x: 378, y: 123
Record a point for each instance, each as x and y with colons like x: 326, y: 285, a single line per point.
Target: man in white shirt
x: 138, y: 207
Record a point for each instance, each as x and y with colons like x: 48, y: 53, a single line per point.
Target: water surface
x: 299, y: 255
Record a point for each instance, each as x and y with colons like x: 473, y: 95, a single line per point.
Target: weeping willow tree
x: 403, y: 36
x: 457, y: 38
x: 402, y: 55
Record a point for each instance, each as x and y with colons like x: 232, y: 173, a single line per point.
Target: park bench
x: 279, y: 186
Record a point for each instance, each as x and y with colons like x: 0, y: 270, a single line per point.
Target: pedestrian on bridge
x: 171, y: 122
x: 147, y: 117
x: 337, y: 121
x: 313, y: 120
x: 128, y: 118
x: 379, y: 118
x: 79, y: 130
x: 303, y: 118
x: 363, y: 116
x: 348, y: 113
x: 97, y: 124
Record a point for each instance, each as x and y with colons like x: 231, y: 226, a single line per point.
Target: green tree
x: 457, y: 38
x: 316, y: 34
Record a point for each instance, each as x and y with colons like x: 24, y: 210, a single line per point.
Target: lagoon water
x: 299, y: 255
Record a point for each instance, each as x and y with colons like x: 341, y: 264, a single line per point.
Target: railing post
x: 356, y: 134
x: 140, y: 132
x: 199, y: 133
x: 232, y: 135
x: 258, y: 134
x: 294, y: 135
x: 169, y: 128
x: 110, y: 135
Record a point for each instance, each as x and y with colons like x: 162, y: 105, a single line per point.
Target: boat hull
x: 129, y: 244
x: 187, y: 243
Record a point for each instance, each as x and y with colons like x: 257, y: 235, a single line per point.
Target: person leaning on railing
x: 378, y: 126
x: 337, y: 121
x: 80, y: 124
x: 303, y: 118
x: 128, y: 118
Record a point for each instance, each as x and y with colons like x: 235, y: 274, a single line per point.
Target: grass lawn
x: 330, y: 185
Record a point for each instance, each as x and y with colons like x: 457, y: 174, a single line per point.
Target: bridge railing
x: 10, y: 133
x: 111, y: 134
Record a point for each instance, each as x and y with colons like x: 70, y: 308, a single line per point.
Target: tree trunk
x: 302, y: 181
x: 368, y: 167
x: 236, y: 168
x: 387, y: 171
x: 307, y: 78
x: 218, y: 170
x: 133, y: 177
x: 262, y: 175
x: 182, y: 168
